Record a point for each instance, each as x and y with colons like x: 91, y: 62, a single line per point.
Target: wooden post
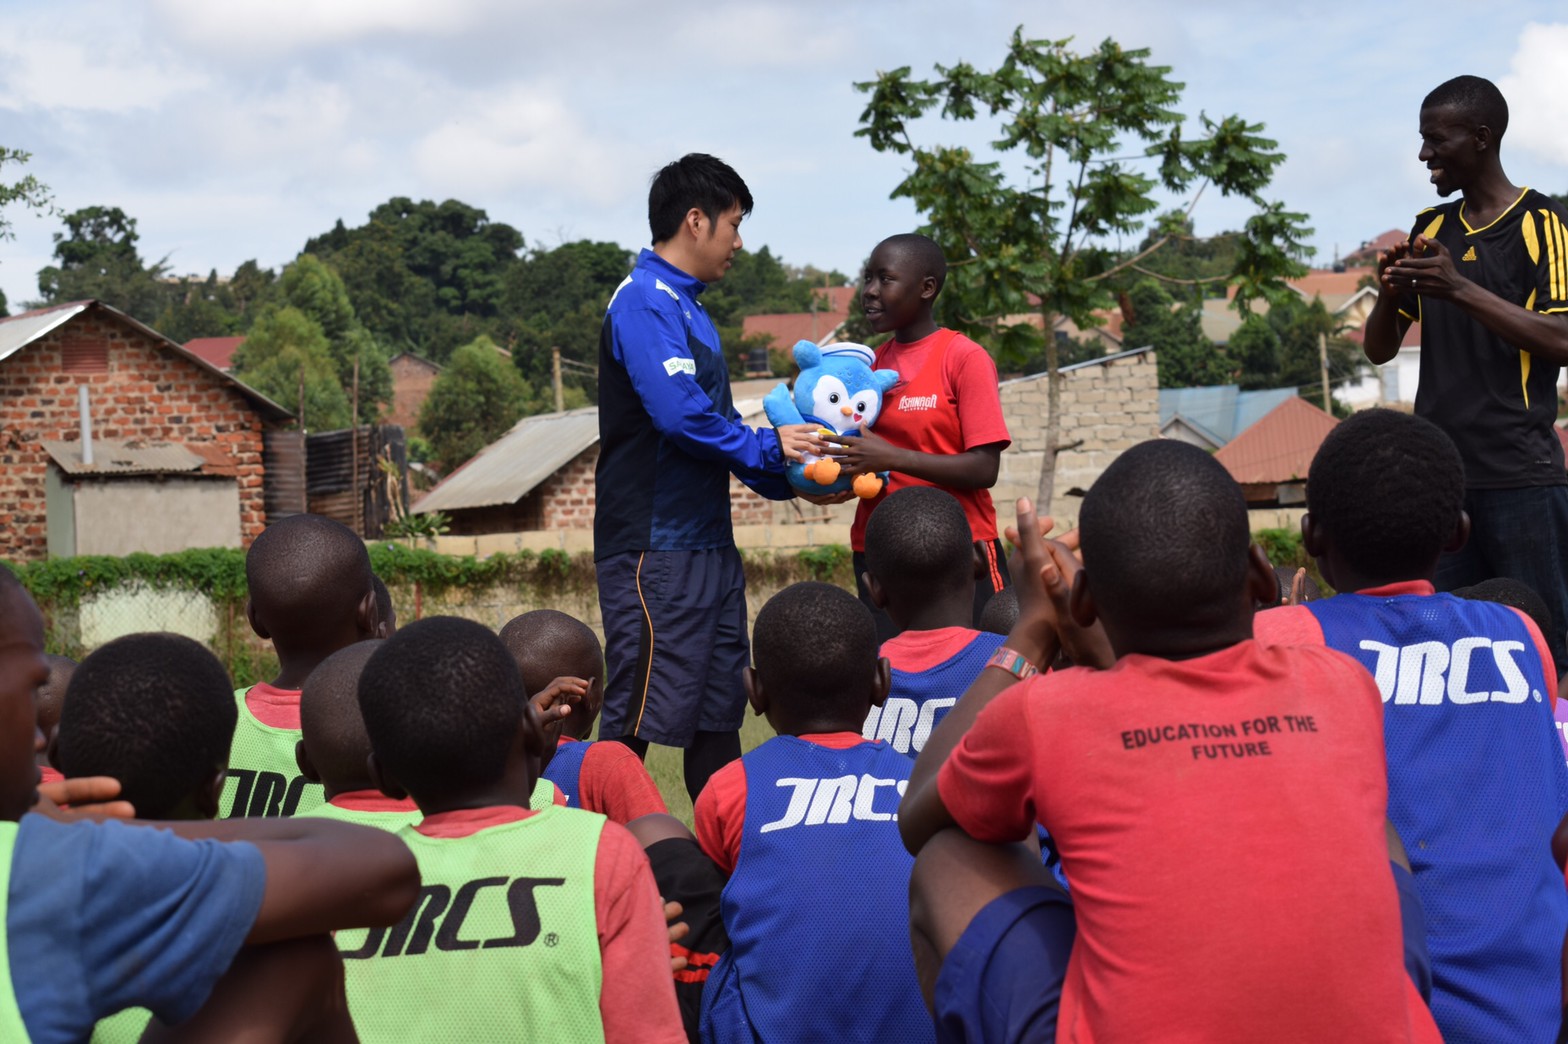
x: 555, y: 376
x: 353, y: 467
x: 1328, y: 403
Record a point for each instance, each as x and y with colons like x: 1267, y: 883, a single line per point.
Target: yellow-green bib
x: 502, y: 944
x: 11, y: 1025
x: 264, y: 777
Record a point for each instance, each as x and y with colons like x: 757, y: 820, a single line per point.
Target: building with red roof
x: 1270, y: 459
x: 217, y: 351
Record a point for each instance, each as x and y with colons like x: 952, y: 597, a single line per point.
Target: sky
x: 239, y: 129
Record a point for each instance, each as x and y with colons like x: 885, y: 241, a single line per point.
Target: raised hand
x: 89, y: 797
x: 554, y: 701
x: 1428, y: 270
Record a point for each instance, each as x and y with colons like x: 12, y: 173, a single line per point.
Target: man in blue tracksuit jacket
x: 671, y: 589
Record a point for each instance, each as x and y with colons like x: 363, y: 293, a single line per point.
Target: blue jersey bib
x: 565, y: 771
x: 817, y: 909
x: 919, y: 700
x: 1476, y: 785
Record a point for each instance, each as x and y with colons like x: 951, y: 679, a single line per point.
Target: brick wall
x: 412, y: 380
x: 147, y: 392
x: 1110, y: 406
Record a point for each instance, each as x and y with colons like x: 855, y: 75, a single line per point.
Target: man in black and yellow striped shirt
x: 1487, y: 279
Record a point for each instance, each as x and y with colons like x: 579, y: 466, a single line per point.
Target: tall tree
x: 26, y: 191
x: 1187, y: 358
x: 97, y: 258
x: 474, y: 400
x: 1042, y: 231
x: 286, y: 354
x: 318, y: 292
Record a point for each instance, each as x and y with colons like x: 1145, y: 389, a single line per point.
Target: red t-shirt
x: 1222, y: 822
x: 719, y: 817
x: 614, y: 782
x: 274, y: 707
x: 947, y: 401
x: 372, y: 801
x: 637, y: 1002
x: 915, y: 651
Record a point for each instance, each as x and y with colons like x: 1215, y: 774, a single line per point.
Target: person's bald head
x: 310, y: 585
x: 334, y: 745
x: 547, y: 645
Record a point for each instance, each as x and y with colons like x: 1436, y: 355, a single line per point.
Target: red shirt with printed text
x: 946, y: 401
x: 1222, y: 822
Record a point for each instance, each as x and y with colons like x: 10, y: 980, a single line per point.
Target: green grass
x: 664, y: 765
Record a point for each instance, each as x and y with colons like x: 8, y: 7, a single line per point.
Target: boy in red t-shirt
x: 1253, y: 775
x: 561, y: 660
x: 942, y: 424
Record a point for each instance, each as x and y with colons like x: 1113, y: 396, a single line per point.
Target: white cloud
x: 523, y: 139
x: 71, y: 73
x: 1538, y: 109
x: 286, y: 25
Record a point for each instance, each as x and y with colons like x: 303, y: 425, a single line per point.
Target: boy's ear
x: 754, y: 694
x: 1461, y: 535
x: 1311, y: 536
x: 382, y: 780
x: 883, y: 683
x: 367, y: 616
x: 255, y: 624
x: 302, y: 759
x: 593, y: 703
x: 207, y: 795
x: 1262, y: 584
x: 1080, y: 601
x: 874, y: 589
x: 928, y: 288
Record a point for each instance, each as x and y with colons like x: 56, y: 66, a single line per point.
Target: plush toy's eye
x: 860, y: 407
x: 833, y: 397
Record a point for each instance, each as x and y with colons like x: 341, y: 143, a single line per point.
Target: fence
x: 91, y: 600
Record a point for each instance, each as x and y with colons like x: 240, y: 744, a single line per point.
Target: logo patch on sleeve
x: 675, y: 364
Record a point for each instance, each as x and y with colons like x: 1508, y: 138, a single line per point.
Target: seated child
x: 111, y: 915
x: 1200, y: 751
x: 804, y: 825
x: 561, y: 655
x: 311, y: 593
x: 51, y: 697
x: 1476, y: 775
x: 333, y: 748
x: 920, y: 571
x: 531, y: 925
x: 1001, y: 612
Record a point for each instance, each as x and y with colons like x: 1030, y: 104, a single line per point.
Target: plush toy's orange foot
x: 867, y: 486
x: 823, y: 472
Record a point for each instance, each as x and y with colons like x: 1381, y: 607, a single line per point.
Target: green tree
x: 1043, y: 231
x: 26, y: 190
x: 474, y: 400
x: 1285, y: 348
x: 286, y: 354
x: 555, y: 298
x: 198, y: 308
x: 97, y: 258
x: 317, y: 291
x: 1187, y: 358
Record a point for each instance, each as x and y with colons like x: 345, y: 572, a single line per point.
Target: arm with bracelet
x: 1032, y: 642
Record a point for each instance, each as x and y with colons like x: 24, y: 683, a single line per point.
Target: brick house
x: 412, y: 378
x: 539, y: 476
x: 144, y: 391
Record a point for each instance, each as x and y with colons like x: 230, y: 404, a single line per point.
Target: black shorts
x: 686, y: 876
x: 675, y: 644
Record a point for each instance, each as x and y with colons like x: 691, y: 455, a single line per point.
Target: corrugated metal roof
x: 112, y: 457
x: 18, y: 331
x: 535, y: 448
x: 1280, y: 447
x: 509, y: 468
x: 1221, y: 409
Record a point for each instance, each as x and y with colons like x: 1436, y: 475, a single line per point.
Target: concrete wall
x: 159, y: 516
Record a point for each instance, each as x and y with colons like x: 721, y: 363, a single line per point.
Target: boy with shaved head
x: 561, y: 656
x: 1199, y: 750
x: 311, y: 593
x: 941, y: 425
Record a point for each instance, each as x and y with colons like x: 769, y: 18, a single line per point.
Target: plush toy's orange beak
x: 845, y: 410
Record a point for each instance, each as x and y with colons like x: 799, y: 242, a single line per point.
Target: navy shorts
x: 675, y: 644
x: 1003, y: 979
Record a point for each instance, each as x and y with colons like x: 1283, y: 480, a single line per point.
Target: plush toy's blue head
x: 837, y: 387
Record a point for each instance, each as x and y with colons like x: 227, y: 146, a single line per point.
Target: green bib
x: 124, y: 1027
x: 391, y: 821
x: 264, y: 777
x: 502, y: 944
x: 11, y: 1025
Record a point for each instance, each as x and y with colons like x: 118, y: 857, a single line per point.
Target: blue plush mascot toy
x: 838, y: 389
